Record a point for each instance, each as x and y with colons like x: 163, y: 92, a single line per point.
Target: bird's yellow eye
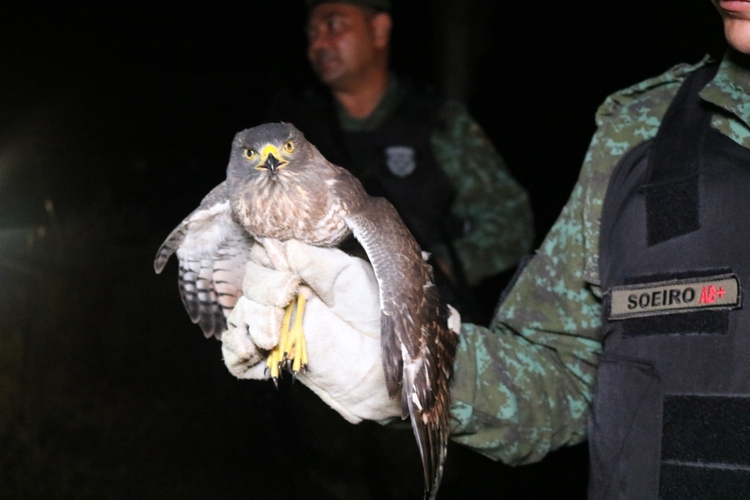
x: 249, y: 154
x: 289, y: 146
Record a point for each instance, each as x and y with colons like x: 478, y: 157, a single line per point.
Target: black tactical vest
x: 396, y: 161
x: 671, y: 413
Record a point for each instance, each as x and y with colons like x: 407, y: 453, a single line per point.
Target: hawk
x: 280, y: 187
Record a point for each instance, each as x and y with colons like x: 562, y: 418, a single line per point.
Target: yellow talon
x: 291, y: 351
x: 287, y: 335
x: 299, y: 336
x: 276, y: 356
x: 303, y: 354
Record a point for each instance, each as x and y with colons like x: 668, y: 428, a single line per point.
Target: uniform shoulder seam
x: 624, y: 99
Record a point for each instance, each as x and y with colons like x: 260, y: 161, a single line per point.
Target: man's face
x: 341, y: 42
x: 736, y: 17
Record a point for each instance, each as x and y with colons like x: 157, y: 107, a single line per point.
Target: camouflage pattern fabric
x: 523, y: 386
x: 496, y: 209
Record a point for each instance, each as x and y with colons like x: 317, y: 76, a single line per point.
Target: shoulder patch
x: 401, y: 160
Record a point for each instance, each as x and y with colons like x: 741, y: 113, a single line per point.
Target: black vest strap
x: 676, y: 150
x: 672, y: 195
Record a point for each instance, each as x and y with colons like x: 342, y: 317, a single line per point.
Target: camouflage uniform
x: 523, y: 387
x: 495, y: 208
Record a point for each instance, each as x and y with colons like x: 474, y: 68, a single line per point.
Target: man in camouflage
x: 528, y: 384
x: 661, y: 394
x: 424, y: 154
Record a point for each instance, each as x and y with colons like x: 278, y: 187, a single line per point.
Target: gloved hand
x: 341, y: 324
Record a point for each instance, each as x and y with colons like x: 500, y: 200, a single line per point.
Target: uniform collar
x: 730, y: 88
x: 388, y: 103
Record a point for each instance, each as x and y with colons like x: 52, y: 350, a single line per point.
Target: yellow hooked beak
x: 270, y: 159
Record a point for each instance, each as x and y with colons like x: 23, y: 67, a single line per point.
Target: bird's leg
x: 295, y: 348
x: 291, y: 351
x: 277, y: 355
x: 298, y: 349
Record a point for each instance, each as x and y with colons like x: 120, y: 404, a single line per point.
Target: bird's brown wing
x: 418, y: 346
x: 212, y: 249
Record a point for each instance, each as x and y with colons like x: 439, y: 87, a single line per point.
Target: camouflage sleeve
x: 495, y: 207
x: 523, y: 386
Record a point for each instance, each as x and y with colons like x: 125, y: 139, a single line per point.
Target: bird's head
x: 267, y: 150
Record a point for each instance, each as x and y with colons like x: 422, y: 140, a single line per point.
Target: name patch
x: 675, y: 296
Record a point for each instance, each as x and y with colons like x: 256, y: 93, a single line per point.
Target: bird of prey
x: 280, y: 187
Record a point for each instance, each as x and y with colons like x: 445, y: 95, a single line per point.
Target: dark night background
x: 116, y: 119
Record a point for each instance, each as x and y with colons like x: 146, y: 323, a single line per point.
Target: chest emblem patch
x: 401, y: 160
x: 675, y: 296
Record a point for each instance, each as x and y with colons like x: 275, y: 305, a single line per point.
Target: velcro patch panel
x: 704, y: 446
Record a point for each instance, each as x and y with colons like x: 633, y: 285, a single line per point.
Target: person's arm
x: 523, y: 386
x: 495, y: 207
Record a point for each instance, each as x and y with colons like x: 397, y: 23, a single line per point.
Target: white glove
x: 341, y: 324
